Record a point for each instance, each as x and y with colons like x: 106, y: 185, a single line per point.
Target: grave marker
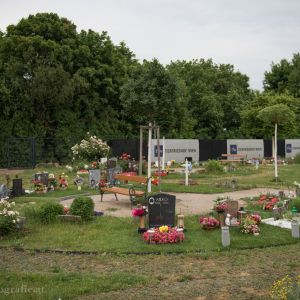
x: 161, y: 210
x: 94, y: 178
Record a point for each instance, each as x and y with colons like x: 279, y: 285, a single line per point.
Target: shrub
x: 297, y: 158
x: 296, y: 203
x: 8, y: 216
x: 83, y: 207
x: 213, y: 166
x: 49, y: 211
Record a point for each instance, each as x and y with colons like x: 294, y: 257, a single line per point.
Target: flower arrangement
x: 125, y: 156
x: 90, y: 149
x: 164, y: 235
x: 38, y: 186
x: 63, y: 181
x: 297, y: 184
x: 209, y: 222
x: 161, y: 173
x: 249, y: 226
x: 256, y: 218
x: 103, y: 183
x: 221, y: 204
x: 52, y: 182
x: 154, y: 181
x: 268, y: 201
x: 8, y: 216
x: 139, y: 211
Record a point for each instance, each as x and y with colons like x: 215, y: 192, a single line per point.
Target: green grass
x: 63, y: 285
x: 119, y: 235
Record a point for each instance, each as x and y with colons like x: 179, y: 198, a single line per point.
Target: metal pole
x: 141, y: 152
x: 163, y: 158
x: 275, y: 153
x: 149, y: 156
x: 158, y: 157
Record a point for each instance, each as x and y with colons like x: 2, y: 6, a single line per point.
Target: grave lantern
x: 295, y: 229
x: 225, y: 236
x: 180, y: 221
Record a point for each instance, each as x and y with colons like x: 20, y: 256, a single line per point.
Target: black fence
x: 27, y: 152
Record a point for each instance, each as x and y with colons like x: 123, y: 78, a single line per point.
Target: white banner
x: 176, y: 150
x: 250, y: 148
x: 292, y: 147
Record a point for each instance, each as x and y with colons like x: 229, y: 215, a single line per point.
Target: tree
x: 254, y: 127
x: 215, y: 95
x: 284, y: 77
x: 153, y: 95
x: 278, y: 114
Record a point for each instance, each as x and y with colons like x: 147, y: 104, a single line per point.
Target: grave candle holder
x: 180, y: 221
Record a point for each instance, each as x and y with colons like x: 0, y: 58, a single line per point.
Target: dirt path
x: 186, y: 203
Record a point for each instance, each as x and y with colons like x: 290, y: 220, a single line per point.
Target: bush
x: 297, y: 158
x: 6, y: 225
x: 213, y: 166
x: 83, y: 207
x: 49, y: 211
x: 296, y: 203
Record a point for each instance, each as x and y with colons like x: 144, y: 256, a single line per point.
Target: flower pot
x: 206, y: 227
x: 142, y: 222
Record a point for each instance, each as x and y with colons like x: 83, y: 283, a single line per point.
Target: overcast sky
x: 247, y: 34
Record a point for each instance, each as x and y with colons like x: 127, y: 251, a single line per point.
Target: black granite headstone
x: 161, y: 210
x: 17, y: 189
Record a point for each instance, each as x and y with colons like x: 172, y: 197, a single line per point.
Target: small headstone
x: 4, y: 191
x: 94, y: 178
x: 17, y: 189
x: 42, y: 177
x: 112, y: 163
x: 161, y: 209
x: 111, y: 174
x: 78, y: 181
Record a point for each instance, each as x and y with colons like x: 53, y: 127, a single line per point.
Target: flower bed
x: 268, y: 201
x: 164, y: 235
x: 250, y: 224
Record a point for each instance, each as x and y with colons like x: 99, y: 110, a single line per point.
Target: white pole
x: 275, y: 152
x: 163, y: 155
x: 149, y: 155
x: 186, y: 173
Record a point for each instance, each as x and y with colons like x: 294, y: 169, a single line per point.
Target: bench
x: 130, y: 190
x: 233, y: 158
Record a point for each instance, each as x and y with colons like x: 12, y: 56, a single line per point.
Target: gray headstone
x: 4, y: 191
x: 42, y: 177
x: 94, y: 178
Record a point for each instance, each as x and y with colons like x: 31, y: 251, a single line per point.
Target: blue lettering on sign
x: 233, y: 149
x: 288, y: 148
x: 161, y: 150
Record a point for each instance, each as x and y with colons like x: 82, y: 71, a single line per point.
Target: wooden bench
x: 130, y: 190
x: 233, y: 158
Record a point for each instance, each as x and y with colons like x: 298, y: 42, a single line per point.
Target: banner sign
x: 250, y: 148
x: 292, y: 147
x: 177, y: 150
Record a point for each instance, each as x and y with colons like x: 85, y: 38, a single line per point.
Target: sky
x: 247, y: 34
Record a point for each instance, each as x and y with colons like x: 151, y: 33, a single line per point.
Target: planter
x: 209, y: 227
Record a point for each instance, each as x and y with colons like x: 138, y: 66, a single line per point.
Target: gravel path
x: 186, y: 203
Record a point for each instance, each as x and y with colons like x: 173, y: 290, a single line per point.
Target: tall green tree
x: 284, y: 77
x: 254, y: 126
x: 216, y: 94
x: 153, y: 95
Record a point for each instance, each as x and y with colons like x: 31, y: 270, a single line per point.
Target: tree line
x: 58, y: 84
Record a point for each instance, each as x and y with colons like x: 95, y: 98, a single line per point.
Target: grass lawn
x: 119, y: 235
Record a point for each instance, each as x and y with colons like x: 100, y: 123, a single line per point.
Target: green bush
x: 49, y: 211
x: 296, y: 203
x: 213, y: 166
x: 83, y: 207
x: 6, y: 225
x: 297, y: 158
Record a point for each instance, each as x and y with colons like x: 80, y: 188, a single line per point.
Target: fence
x: 26, y: 152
